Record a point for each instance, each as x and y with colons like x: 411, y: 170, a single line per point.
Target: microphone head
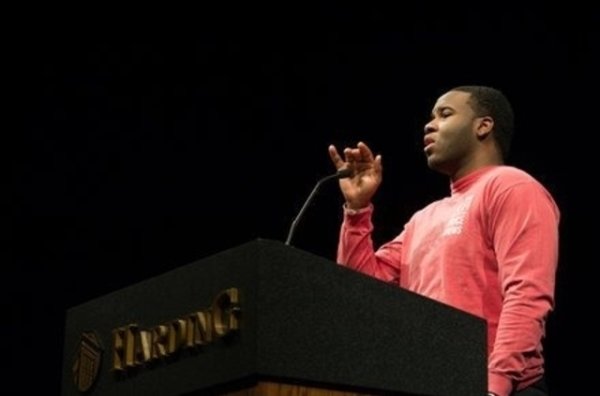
x: 343, y: 173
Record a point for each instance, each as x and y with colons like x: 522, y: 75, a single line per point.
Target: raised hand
x: 366, y: 174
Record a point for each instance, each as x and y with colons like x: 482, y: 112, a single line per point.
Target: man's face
x: 450, y: 137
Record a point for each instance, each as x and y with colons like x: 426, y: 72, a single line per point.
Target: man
x: 490, y: 248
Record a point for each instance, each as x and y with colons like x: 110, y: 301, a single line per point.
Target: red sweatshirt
x: 490, y: 249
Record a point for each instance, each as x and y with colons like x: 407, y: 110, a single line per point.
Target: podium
x: 264, y: 318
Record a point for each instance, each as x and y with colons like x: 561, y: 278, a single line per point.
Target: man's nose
x: 430, y: 127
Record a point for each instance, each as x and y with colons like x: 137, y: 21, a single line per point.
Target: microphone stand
x: 340, y: 174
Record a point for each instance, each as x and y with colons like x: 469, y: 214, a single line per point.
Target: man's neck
x: 476, y: 165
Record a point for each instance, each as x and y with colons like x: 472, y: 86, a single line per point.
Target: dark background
x: 148, y: 149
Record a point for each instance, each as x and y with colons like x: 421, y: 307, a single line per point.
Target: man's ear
x: 484, y: 126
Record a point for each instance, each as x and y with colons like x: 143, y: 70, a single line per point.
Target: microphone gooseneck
x: 340, y: 174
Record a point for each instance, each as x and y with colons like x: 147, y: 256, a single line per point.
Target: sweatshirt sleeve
x: 356, y: 250
x: 525, y: 236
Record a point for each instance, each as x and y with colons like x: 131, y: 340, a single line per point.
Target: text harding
x: 133, y: 347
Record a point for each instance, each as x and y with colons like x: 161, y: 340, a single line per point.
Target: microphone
x: 340, y: 174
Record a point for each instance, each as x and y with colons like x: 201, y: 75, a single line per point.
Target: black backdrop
x: 148, y: 149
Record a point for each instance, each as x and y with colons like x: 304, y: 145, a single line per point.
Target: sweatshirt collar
x: 468, y: 180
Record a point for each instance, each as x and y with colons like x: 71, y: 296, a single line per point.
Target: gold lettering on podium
x: 133, y: 346
x: 159, y: 342
x: 200, y: 325
x: 226, y: 312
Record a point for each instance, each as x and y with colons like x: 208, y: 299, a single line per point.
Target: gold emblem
x: 87, y: 362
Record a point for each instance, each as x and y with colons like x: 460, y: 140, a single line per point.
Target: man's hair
x: 487, y: 101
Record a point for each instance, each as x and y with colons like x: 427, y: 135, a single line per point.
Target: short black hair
x: 488, y: 101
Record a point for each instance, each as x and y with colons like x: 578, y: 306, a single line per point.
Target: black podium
x: 266, y: 318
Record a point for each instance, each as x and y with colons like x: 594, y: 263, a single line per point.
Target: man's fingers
x: 361, y: 155
x: 349, y: 155
x: 338, y: 162
x: 377, y: 165
x: 365, y: 152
